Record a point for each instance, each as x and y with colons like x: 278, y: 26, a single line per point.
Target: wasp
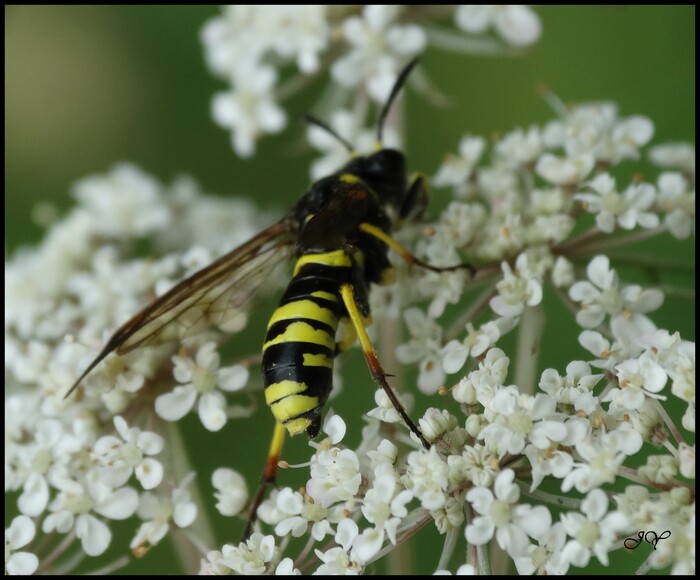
x: 339, y: 236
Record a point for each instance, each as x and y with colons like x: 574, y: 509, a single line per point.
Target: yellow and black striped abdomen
x: 299, y: 348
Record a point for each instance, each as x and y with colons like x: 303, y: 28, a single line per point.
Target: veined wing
x: 215, y: 295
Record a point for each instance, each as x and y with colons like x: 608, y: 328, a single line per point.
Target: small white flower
x: 456, y: 170
x: 661, y: 469
x: 159, y: 511
x: 335, y: 476
x: 519, y: 148
x: 517, y: 289
x: 546, y: 462
x: 73, y: 506
x: 427, y: 478
x: 450, y: 516
x: 601, y: 458
x: 379, y: 49
x: 602, y: 296
x: 119, y: 458
x: 626, y: 210
x: 594, y: 531
x: 200, y: 378
x: 249, y: 109
x: 385, y: 502
x: 637, y: 378
x: 36, y: 462
x: 336, y: 562
x: 567, y: 389
x: 500, y: 515
x: 231, y: 491
x: 609, y: 354
x: 476, y: 464
x: 482, y: 384
x: 252, y: 557
x: 19, y: 534
x: 476, y: 343
x: 423, y: 347
x: 385, y: 410
x: 594, y: 129
x: 516, y: 418
x: 546, y: 558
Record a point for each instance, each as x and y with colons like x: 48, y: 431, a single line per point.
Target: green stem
x: 530, y: 332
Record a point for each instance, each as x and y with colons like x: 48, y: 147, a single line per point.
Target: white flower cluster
x: 520, y: 210
x: 507, y: 431
x: 581, y: 429
x: 73, y: 466
x: 247, y: 46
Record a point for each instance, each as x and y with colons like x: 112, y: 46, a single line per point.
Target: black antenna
x: 311, y: 120
x: 401, y: 79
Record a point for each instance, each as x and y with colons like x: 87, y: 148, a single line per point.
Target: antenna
x: 311, y: 120
x: 400, y: 80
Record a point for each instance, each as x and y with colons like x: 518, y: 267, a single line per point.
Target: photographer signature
x: 650, y: 537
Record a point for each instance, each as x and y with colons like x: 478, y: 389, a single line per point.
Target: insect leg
x: 416, y: 198
x: 268, y: 476
x: 406, y: 254
x: 378, y: 373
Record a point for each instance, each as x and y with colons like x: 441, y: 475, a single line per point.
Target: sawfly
x: 339, y: 236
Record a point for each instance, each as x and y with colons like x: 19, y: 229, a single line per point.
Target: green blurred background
x: 88, y: 86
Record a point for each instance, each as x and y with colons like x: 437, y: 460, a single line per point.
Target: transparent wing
x: 216, y: 295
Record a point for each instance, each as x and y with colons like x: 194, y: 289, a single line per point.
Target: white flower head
x: 77, y: 505
x: 427, y: 478
x: 456, y: 170
x: 119, y: 457
x: 594, y: 531
x: 602, y: 296
x: 424, y: 347
x: 199, y: 379
x: 158, y: 512
x: 637, y: 378
x: 335, y: 476
x: 625, y: 210
x: 254, y: 556
x: 249, y: 109
x: 380, y: 47
x: 517, y: 289
x: 595, y: 130
x: 502, y: 516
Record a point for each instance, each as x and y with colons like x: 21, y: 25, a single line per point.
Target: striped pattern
x: 300, y: 345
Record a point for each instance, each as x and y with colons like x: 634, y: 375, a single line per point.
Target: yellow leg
x: 375, y: 368
x: 406, y: 254
x: 268, y: 477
